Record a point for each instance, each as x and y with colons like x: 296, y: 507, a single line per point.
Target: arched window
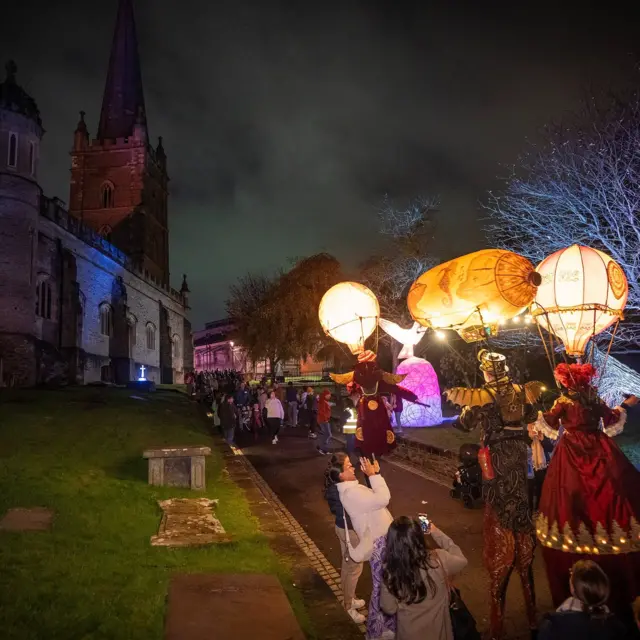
x: 106, y: 195
x: 105, y: 232
x: 176, y: 345
x: 151, y: 337
x: 12, y: 160
x: 106, y: 320
x: 132, y: 323
x: 43, y: 299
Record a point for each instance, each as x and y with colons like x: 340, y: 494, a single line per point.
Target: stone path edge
x: 317, y: 560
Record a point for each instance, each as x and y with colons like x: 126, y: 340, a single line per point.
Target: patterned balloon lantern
x: 583, y: 292
x: 422, y: 379
x: 349, y: 313
x: 474, y: 293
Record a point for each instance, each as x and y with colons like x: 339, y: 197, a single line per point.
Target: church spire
x: 123, y: 100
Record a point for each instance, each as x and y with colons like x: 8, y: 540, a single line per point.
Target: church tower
x: 119, y: 182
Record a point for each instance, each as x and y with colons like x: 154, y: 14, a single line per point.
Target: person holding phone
x: 419, y: 563
x: 367, y: 509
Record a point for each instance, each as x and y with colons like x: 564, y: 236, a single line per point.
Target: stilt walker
x: 503, y: 410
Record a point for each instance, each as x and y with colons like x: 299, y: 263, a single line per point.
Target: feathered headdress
x: 575, y: 377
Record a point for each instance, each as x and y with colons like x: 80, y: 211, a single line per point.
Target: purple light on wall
x: 423, y: 381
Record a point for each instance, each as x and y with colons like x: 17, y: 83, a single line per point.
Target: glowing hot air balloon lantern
x: 349, y: 313
x: 473, y: 294
x: 583, y: 293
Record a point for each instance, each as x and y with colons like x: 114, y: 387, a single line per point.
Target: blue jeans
x: 325, y: 436
x: 229, y: 434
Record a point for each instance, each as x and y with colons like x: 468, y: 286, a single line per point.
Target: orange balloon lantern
x: 583, y: 292
x: 474, y: 293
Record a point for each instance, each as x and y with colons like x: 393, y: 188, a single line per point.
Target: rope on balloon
x: 550, y: 352
x: 357, y: 319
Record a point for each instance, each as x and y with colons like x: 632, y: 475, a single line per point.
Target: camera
x: 425, y: 523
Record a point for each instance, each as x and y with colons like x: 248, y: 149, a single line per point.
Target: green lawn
x: 95, y: 575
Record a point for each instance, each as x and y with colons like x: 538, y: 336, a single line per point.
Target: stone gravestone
x: 177, y: 466
x: 33, y: 519
x: 188, y: 522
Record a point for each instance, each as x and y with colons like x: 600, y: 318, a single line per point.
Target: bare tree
x: 409, y: 233
x: 581, y: 185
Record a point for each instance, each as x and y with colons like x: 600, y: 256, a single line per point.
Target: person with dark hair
x: 585, y: 613
x: 275, y: 415
x: 324, y: 421
x: 339, y: 470
x: 292, y: 405
x: 590, y: 503
x: 416, y: 580
x: 367, y: 508
x: 228, y: 413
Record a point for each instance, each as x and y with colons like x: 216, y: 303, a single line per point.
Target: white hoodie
x: 366, y: 507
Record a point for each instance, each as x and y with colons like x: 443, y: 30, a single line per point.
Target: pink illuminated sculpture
x: 423, y: 381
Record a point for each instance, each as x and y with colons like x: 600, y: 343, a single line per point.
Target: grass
x: 95, y: 575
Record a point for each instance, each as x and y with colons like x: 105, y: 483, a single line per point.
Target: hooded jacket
x: 332, y: 496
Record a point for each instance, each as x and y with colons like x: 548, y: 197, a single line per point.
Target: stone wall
x: 430, y: 460
x: 101, y: 280
x: 438, y: 463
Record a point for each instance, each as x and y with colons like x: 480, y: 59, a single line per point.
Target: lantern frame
x: 573, y: 332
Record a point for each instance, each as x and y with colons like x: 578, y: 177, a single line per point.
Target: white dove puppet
x: 409, y: 338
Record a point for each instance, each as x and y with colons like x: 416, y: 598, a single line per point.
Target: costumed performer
x: 590, y: 504
x: 374, y: 435
x: 503, y: 410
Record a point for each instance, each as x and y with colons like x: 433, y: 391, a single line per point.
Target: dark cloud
x: 286, y: 122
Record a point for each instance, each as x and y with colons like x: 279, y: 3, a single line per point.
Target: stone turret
x: 20, y: 135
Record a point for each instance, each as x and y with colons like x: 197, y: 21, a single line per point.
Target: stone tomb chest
x: 177, y: 466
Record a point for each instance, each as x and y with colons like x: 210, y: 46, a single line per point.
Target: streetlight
x: 231, y: 345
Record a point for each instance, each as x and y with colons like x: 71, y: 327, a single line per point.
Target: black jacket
x: 228, y: 414
x: 563, y: 625
x: 333, y: 498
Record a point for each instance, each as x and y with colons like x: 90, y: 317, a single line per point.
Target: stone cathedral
x: 84, y: 292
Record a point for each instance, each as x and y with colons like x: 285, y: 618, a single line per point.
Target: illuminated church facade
x: 84, y: 291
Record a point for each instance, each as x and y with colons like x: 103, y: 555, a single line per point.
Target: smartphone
x: 425, y: 523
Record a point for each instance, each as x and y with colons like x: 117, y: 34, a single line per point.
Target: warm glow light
x: 441, y: 335
x: 422, y: 379
x: 583, y: 292
x: 472, y: 292
x: 231, y: 344
x: 349, y: 313
x: 516, y: 320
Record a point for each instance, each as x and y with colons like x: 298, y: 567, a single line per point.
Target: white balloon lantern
x: 349, y: 313
x: 583, y: 292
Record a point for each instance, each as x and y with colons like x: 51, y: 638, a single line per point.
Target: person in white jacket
x: 367, y: 508
x: 275, y: 415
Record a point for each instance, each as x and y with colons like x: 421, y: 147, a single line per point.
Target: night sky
x: 286, y: 122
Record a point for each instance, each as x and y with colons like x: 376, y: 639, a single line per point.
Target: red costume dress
x: 590, y: 505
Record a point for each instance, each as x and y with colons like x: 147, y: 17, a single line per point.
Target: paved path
x: 294, y: 470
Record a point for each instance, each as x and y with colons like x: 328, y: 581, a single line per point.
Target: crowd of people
x: 413, y: 562
x: 264, y: 408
